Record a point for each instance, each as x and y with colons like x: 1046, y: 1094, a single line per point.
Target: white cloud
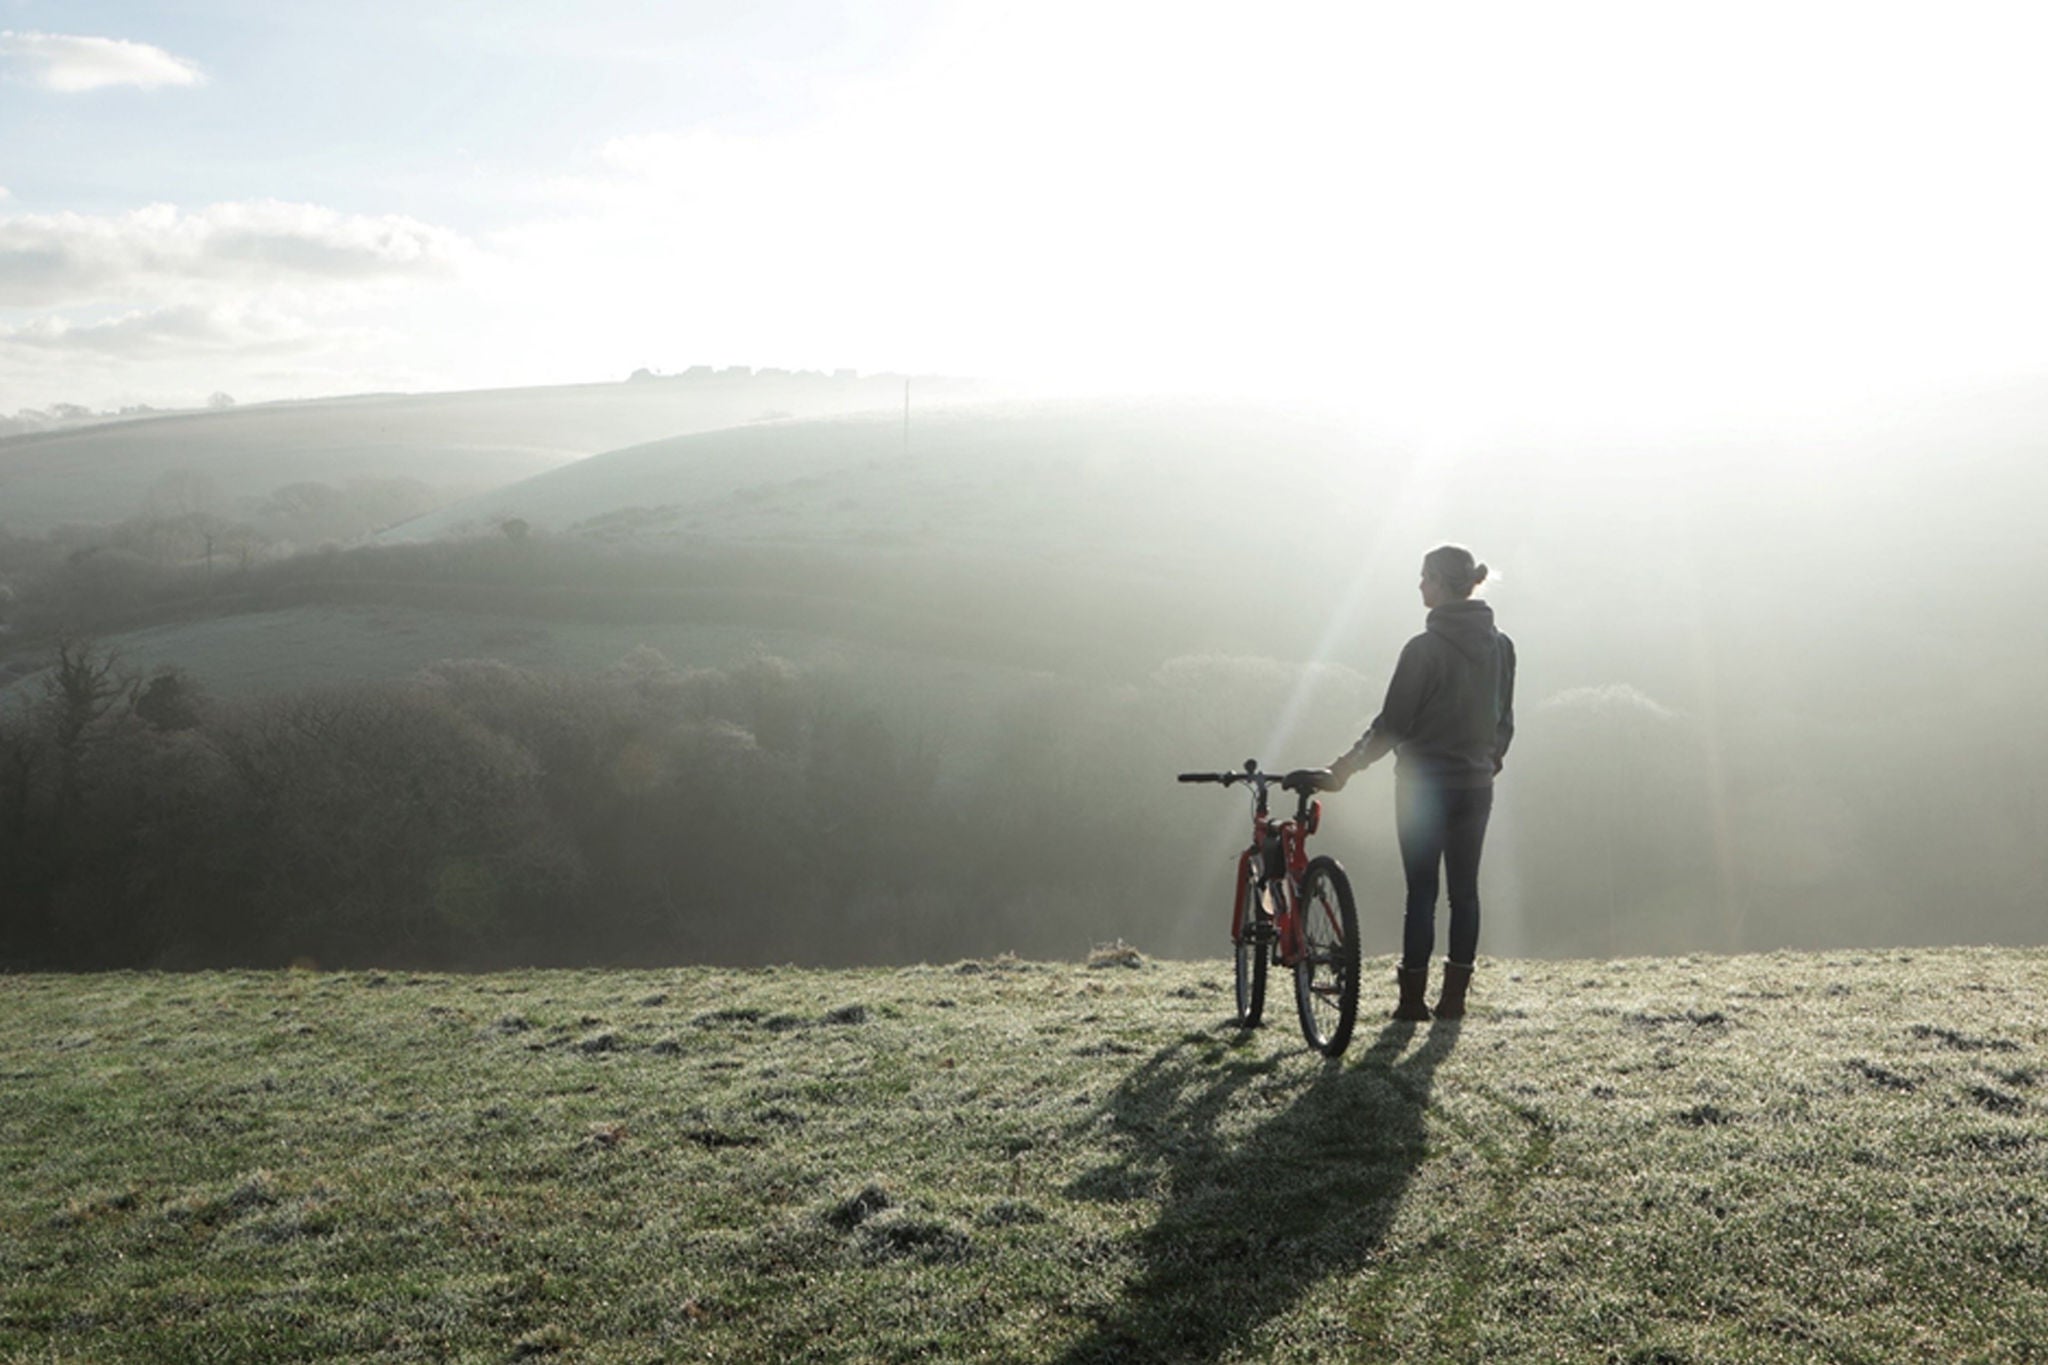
x: 266, y: 299
x: 175, y: 355
x: 72, y: 63
x: 69, y: 259
x: 187, y: 328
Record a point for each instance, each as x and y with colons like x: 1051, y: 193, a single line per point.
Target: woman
x: 1448, y: 718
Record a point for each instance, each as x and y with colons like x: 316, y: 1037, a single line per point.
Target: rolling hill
x: 1042, y: 479
x: 457, y: 443
x: 1777, y: 686
x: 1105, y: 538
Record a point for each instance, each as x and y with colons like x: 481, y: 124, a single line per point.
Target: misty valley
x: 898, y: 678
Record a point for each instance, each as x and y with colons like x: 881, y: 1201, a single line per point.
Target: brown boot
x: 1414, y: 985
x: 1451, y: 1003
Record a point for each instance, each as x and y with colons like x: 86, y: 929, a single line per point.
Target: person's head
x: 1449, y: 574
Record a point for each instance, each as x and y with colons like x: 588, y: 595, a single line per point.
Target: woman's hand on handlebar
x: 1307, y: 781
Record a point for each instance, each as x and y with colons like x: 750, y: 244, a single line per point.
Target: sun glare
x: 1487, y: 215
x: 1456, y: 215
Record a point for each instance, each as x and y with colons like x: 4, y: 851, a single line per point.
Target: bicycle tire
x: 1252, y: 946
x: 1326, y: 977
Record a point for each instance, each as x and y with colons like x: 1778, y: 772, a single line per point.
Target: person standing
x: 1449, y: 717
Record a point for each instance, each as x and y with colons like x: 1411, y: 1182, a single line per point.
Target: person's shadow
x: 1252, y: 1222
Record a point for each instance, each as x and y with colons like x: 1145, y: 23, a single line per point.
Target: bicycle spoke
x: 1326, y: 977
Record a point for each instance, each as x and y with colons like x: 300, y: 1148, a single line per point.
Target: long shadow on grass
x: 1254, y: 1217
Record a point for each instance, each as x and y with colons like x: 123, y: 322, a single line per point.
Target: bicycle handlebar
x: 1303, y: 780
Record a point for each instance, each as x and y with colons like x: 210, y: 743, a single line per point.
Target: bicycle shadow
x: 1252, y: 1222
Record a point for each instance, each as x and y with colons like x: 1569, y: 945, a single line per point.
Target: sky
x: 1637, y: 208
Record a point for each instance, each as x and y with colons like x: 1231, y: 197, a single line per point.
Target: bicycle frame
x: 1273, y: 866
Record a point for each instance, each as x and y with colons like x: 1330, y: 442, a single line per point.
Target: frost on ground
x: 1796, y: 1157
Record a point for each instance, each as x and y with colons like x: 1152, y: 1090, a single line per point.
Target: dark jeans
x: 1444, y: 825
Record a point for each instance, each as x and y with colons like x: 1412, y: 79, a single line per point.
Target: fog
x: 1777, y: 688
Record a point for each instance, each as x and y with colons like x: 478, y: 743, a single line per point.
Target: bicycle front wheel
x: 1253, y: 944
x: 1326, y: 976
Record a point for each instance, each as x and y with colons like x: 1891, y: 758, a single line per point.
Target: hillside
x: 458, y: 443
x: 1773, y: 693
x: 1019, y: 535
x: 1128, y: 478
x: 1784, y: 1158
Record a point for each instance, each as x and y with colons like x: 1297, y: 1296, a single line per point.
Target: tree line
x: 186, y: 546
x: 482, y: 815
x: 947, y: 804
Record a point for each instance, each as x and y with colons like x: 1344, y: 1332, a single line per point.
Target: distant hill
x: 1778, y: 685
x: 457, y: 442
x: 1043, y: 477
x: 1021, y: 535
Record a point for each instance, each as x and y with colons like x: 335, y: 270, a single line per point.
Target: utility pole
x: 906, y: 419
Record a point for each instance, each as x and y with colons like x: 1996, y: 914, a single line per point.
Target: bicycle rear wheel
x: 1326, y: 977
x: 1253, y: 944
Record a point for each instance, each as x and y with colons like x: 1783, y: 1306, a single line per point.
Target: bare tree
x: 82, y: 685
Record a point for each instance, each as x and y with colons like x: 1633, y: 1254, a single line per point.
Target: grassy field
x: 1792, y: 1157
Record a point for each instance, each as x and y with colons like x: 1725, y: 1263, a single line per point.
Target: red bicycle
x: 1291, y: 910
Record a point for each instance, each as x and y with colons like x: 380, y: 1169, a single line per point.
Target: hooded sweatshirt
x: 1450, y: 708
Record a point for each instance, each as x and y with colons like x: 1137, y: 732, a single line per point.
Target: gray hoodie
x: 1450, y: 708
